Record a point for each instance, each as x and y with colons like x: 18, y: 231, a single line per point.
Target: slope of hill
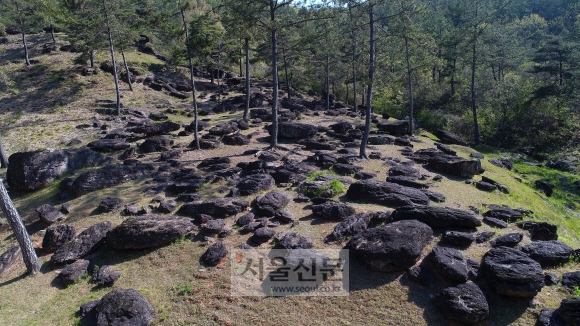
x: 47, y: 105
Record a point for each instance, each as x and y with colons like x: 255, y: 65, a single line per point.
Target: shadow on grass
x: 42, y: 88
x: 316, y: 220
x: 14, y: 280
x: 362, y: 277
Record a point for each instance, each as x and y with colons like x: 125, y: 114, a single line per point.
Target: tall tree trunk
x: 92, y: 58
x: 453, y: 77
x: 473, y: 60
x: 327, y: 82
x: 13, y: 218
x: 286, y: 73
x: 274, y: 140
x: 346, y: 96
x: 410, y: 84
x: 3, y: 156
x: 118, y: 107
x: 353, y: 64
x: 241, y: 72
x: 363, y: 145
x: 52, y: 34
x: 23, y: 35
x: 219, y: 72
x: 247, y: 108
x: 127, y: 70
x: 192, y: 84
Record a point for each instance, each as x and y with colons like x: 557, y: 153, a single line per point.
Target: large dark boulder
x: 571, y: 280
x: 386, y: 193
x: 540, y: 230
x: 73, y: 272
x: 156, y: 144
x: 449, y: 137
x: 141, y: 232
x: 120, y: 307
x: 346, y: 169
x: 214, y: 254
x: 263, y: 234
x: 465, y: 303
x: 317, y: 145
x: 456, y: 238
x: 291, y: 172
x: 255, y: 183
x: 449, y: 262
x: 333, y: 210
x: 504, y: 162
x: 188, y: 184
x: 546, y: 187
x: 109, y: 176
x: 505, y: 214
x: 550, y: 317
x: 404, y: 171
x: 296, y: 130
x: 381, y: 140
x: 512, y: 273
x: 108, y: 145
x: 83, y: 244
x: 215, y: 207
x: 215, y: 163
x: 109, y: 204
x: 341, y: 127
x: 570, y: 310
x: 350, y: 226
x: 455, y: 165
x: 224, y: 129
x: 156, y: 128
x: 56, y: 236
x: 35, y: 170
x: 284, y: 217
x: 549, y: 253
x: 236, y: 140
x: 9, y: 258
x: 268, y: 204
x: 507, y: 240
x: 437, y: 217
x: 394, y: 127
x: 393, y: 247
x: 49, y: 214
x: 245, y: 219
x: 214, y: 226
x: 106, y: 276
x: 293, y: 241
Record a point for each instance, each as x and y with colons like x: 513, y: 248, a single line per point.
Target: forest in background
x: 502, y: 73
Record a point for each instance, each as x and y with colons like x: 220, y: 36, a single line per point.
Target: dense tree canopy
x: 501, y: 72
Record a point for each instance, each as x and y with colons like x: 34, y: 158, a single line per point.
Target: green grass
x: 335, y: 185
x: 315, y: 174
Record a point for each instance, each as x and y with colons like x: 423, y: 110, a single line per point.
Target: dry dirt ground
x: 40, y: 108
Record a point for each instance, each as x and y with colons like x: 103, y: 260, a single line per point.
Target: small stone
x: 482, y: 237
x: 105, y: 276
x: 551, y: 278
x: 508, y: 240
x: 73, y: 272
x: 49, y: 215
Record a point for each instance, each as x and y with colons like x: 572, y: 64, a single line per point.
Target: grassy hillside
x: 40, y: 107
